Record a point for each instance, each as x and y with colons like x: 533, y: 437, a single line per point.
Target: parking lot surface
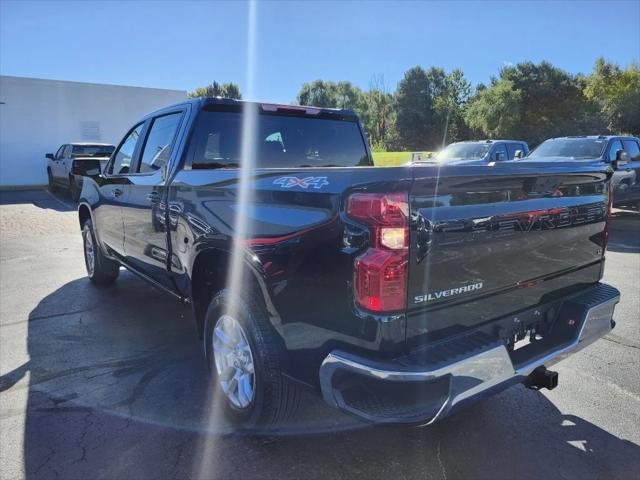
x: 110, y: 383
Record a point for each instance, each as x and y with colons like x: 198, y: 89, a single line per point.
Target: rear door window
x: 280, y: 141
x: 157, y: 147
x: 512, y: 148
x: 633, y: 149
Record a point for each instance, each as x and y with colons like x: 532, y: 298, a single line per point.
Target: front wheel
x: 246, y: 359
x: 100, y: 269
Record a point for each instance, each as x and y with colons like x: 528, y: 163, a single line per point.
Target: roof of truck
x: 203, y: 102
x: 594, y: 137
x: 492, y: 141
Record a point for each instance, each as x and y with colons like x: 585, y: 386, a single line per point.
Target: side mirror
x: 499, y: 157
x: 519, y: 154
x: 50, y: 156
x: 622, y: 158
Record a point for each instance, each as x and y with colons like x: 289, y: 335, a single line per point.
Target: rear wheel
x: 100, y: 269
x: 246, y: 358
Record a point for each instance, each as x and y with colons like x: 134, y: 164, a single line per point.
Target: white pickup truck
x: 73, y: 161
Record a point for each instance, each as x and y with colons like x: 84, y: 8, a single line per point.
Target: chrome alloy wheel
x: 234, y: 362
x: 89, y: 253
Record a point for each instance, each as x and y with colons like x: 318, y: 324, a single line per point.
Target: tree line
x: 431, y: 107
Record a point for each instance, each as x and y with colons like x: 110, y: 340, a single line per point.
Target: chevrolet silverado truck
x: 399, y: 294
x: 620, y: 152
x: 73, y: 161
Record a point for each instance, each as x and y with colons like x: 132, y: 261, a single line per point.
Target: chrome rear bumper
x: 387, y: 392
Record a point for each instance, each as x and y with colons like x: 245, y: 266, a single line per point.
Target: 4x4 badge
x: 289, y: 182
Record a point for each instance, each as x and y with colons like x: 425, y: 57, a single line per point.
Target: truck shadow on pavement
x: 116, y: 387
x: 41, y: 198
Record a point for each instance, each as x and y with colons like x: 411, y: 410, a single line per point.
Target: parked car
x: 399, y: 294
x: 482, y: 151
x: 73, y: 161
x: 622, y: 153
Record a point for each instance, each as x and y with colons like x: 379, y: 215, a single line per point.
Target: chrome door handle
x: 116, y: 192
x: 152, y: 197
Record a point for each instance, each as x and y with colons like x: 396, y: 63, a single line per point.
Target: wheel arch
x: 84, y: 214
x: 209, y: 275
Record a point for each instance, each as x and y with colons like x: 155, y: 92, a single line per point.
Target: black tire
x: 74, y: 189
x: 275, y: 398
x: 102, y: 270
x: 52, y: 184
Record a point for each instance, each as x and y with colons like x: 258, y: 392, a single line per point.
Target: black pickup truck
x: 399, y: 294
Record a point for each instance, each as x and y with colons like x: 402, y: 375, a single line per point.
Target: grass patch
x: 391, y: 159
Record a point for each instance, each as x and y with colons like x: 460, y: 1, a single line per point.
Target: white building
x: 37, y: 116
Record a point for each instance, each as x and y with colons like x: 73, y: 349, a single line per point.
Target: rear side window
x: 632, y: 148
x: 512, y: 148
x: 281, y: 141
x: 92, y: 150
x: 157, y: 147
x: 122, y: 159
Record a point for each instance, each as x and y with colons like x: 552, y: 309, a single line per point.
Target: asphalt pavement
x: 110, y: 383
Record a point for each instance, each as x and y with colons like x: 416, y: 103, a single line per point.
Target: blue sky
x: 189, y: 44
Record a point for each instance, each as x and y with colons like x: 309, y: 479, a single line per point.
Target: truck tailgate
x: 489, y: 244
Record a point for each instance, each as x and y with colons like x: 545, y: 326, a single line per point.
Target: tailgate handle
x: 424, y: 237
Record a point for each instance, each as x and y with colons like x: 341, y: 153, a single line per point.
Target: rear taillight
x: 380, y: 274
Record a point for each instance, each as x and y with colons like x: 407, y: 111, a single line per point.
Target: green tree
x: 327, y: 94
x: 531, y: 102
x: 429, y: 107
x: 616, y: 92
x: 495, y: 111
x: 449, y: 106
x: 376, y: 113
x: 414, y: 109
x: 215, y: 89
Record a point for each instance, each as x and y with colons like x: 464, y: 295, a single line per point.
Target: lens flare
x: 236, y: 281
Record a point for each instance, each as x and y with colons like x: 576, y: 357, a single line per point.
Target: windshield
x: 464, y: 151
x: 92, y: 150
x: 570, y: 148
x: 283, y: 141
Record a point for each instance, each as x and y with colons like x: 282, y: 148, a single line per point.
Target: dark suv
x: 622, y: 153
